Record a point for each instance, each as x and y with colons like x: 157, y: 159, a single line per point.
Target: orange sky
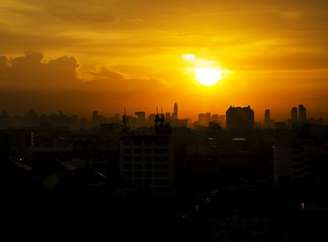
x: 106, y: 54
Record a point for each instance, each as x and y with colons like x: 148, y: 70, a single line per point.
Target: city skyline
x: 109, y: 54
x: 165, y: 120
x: 85, y: 98
x: 297, y: 114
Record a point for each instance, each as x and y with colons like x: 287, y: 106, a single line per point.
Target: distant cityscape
x: 164, y: 120
x: 200, y: 173
x: 234, y: 118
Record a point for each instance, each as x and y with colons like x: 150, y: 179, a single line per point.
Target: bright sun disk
x: 208, y: 76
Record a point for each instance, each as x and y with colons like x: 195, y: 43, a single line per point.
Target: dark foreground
x: 228, y: 214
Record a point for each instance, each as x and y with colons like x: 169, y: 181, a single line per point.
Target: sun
x: 208, y: 76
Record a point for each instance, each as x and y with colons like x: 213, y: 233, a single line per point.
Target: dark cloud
x: 29, y: 81
x: 30, y: 72
x: 107, y: 80
x: 106, y: 74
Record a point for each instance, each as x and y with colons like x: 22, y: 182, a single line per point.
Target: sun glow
x: 189, y: 57
x: 205, y: 71
x: 208, y: 76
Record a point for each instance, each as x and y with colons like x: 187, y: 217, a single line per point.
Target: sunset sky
x: 104, y: 54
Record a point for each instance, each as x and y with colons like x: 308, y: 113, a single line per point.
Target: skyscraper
x: 240, y: 118
x: 302, y: 115
x: 175, y: 114
x: 294, y: 115
x: 267, y: 118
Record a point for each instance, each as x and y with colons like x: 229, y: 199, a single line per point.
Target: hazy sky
x: 105, y: 54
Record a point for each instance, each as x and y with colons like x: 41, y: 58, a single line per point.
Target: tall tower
x: 302, y: 115
x: 267, y: 117
x: 175, y: 111
x: 294, y: 115
x: 125, y: 121
x: 240, y: 118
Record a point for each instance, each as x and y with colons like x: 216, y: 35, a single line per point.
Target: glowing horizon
x: 107, y: 54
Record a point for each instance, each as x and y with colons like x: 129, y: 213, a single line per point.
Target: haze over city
x: 164, y: 120
x: 110, y: 54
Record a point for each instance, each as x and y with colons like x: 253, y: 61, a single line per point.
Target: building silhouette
x: 215, y: 118
x: 140, y: 115
x: 146, y: 158
x: 240, y: 118
x: 298, y: 115
x: 175, y: 114
x: 302, y: 114
x: 168, y: 116
x: 267, y: 118
x: 204, y: 119
x: 294, y: 115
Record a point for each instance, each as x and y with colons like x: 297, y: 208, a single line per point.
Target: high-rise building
x: 146, y: 160
x: 294, y: 115
x: 302, y: 114
x: 293, y: 158
x: 240, y: 118
x: 267, y: 118
x: 175, y: 114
